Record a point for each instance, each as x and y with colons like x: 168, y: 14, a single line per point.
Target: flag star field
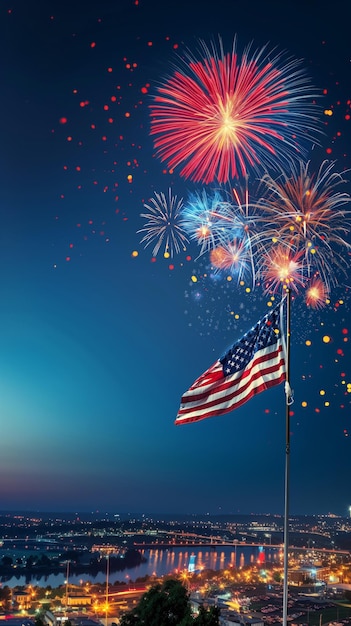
x: 168, y: 171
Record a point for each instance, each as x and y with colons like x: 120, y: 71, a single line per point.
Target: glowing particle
x: 322, y: 392
x: 304, y: 404
x: 194, y: 279
x: 63, y: 120
x: 308, y: 342
x: 135, y: 253
x: 326, y: 339
x: 130, y: 178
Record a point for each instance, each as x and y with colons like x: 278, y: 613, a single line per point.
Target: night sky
x: 99, y: 339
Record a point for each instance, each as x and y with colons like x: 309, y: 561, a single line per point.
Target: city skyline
x: 100, y: 338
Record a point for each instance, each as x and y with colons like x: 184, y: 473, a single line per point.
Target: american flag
x: 256, y: 362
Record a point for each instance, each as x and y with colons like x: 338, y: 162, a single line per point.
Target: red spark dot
x: 82, y: 104
x: 71, y: 245
x: 188, y: 258
x: 171, y: 267
x: 104, y: 138
x: 339, y: 351
x: 78, y: 168
x: 329, y: 151
x: 65, y: 167
x: 342, y: 406
x: 90, y: 222
x: 75, y: 91
x: 109, y: 69
x: 291, y: 413
x: 347, y: 116
x: 68, y: 258
x: 69, y: 138
x: 153, y: 259
x: 342, y: 374
x: 63, y: 120
x: 127, y: 114
x: 106, y: 107
x: 175, y: 46
x: 317, y: 410
x: 344, y: 331
x: 267, y: 411
x: 93, y: 44
x: 143, y: 90
x: 325, y: 91
x: 149, y: 43
x: 110, y: 120
x: 92, y: 126
x: 113, y: 98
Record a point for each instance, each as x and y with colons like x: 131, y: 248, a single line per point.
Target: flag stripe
x: 196, y: 395
x: 266, y: 370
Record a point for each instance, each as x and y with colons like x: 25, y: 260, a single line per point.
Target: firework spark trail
x: 225, y: 114
x: 163, y: 227
x: 240, y: 219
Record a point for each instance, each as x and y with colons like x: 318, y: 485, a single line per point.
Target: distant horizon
x: 140, y: 514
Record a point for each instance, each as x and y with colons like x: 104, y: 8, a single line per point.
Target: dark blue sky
x: 98, y: 344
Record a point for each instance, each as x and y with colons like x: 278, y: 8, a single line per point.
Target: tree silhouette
x: 168, y: 605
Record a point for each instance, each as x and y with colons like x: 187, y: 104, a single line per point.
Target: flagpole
x: 287, y: 463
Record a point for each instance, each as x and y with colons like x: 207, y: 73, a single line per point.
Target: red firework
x: 224, y: 114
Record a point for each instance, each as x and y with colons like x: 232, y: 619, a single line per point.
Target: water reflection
x: 158, y: 563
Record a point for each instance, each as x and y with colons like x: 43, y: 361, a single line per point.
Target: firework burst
x: 308, y: 212
x: 282, y: 268
x: 221, y: 115
x: 241, y: 220
x: 163, y: 227
x: 317, y: 294
x: 233, y: 257
x: 201, y: 219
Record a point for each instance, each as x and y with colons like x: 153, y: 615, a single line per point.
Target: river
x: 163, y: 561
